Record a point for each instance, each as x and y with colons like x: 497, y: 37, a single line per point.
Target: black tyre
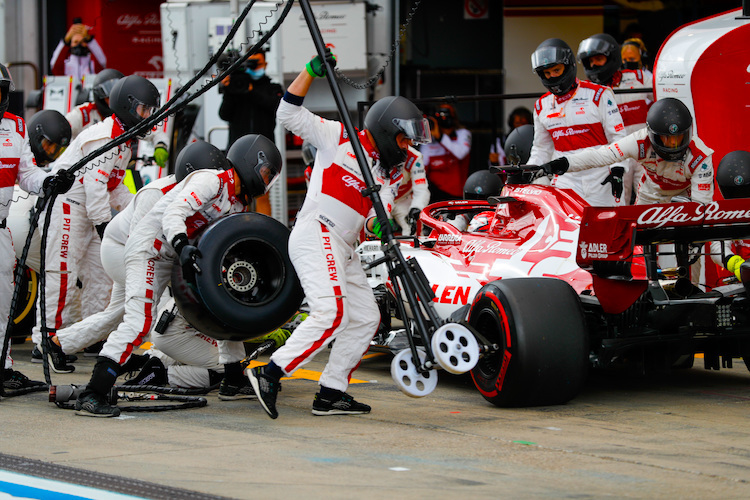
x: 247, y: 286
x: 25, y: 317
x: 540, y: 328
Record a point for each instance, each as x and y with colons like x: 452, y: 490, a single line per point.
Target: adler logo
x: 593, y: 250
x: 449, y: 239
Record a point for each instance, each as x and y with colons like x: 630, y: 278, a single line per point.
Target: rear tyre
x: 540, y: 328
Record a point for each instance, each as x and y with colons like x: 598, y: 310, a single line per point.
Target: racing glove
x: 377, y: 230
x: 733, y: 263
x: 413, y: 215
x: 615, y: 179
x: 161, y: 155
x: 187, y: 253
x: 100, y: 229
x: 59, y: 183
x: 558, y: 166
x: 316, y: 68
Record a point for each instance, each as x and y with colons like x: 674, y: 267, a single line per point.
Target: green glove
x: 378, y: 231
x: 161, y: 155
x: 733, y: 265
x: 317, y: 68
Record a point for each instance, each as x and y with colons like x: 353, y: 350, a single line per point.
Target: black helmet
x: 550, y: 53
x: 733, y: 175
x: 605, y: 45
x: 49, y: 135
x: 133, y: 99
x: 199, y: 155
x: 257, y: 161
x: 386, y: 119
x: 481, y: 185
x: 308, y: 153
x: 518, y: 144
x: 6, y: 86
x: 669, y: 117
x: 103, y: 83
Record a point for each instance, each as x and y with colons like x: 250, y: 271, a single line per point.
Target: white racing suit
x: 413, y: 191
x: 203, y: 197
x: 583, y: 118
x: 662, y: 180
x: 16, y: 164
x: 189, y: 355
x: 97, y: 326
x: 633, y: 109
x: 342, y: 305
x: 73, y: 245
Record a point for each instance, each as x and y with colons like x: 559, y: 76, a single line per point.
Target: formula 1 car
x: 551, y: 287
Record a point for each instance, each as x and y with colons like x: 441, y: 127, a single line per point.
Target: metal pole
x: 372, y: 188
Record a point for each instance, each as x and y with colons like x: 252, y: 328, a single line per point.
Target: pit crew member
x: 79, y: 218
x: 675, y: 161
x: 163, y: 235
x: 573, y: 116
x: 601, y: 60
x: 321, y: 246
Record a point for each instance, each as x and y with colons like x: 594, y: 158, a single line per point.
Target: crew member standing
x: 321, y: 246
x: 572, y: 116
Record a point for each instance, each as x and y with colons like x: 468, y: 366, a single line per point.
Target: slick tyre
x: 540, y: 328
x: 247, y: 286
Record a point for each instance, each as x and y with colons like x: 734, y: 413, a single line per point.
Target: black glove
x: 413, y: 215
x: 100, y: 229
x: 59, y: 183
x: 615, y: 179
x: 558, y: 166
x: 188, y: 254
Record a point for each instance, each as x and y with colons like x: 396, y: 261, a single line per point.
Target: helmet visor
x: 593, y: 46
x: 266, y: 171
x: 6, y: 79
x: 53, y: 149
x: 549, y: 56
x: 103, y: 90
x: 416, y: 130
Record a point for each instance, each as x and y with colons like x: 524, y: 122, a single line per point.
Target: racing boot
x: 235, y: 385
x: 333, y: 402
x: 266, y: 382
x: 93, y: 401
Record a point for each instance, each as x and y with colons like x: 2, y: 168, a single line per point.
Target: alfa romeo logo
x: 673, y: 128
x: 739, y: 180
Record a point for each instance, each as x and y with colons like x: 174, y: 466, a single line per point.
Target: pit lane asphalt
x: 679, y: 435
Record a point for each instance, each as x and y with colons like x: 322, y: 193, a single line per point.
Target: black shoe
x: 56, y: 358
x: 230, y: 392
x: 343, y: 404
x: 15, y: 380
x: 36, y: 356
x: 95, y: 405
x: 92, y: 351
x: 266, y: 388
x: 153, y: 373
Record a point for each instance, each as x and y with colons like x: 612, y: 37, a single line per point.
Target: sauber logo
x: 593, y: 250
x: 449, y: 239
x: 568, y: 132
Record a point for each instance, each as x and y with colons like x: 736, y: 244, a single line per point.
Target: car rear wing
x: 612, y: 233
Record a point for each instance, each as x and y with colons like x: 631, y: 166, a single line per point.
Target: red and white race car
x: 551, y: 287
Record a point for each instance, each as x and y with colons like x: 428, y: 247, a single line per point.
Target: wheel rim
x: 252, y: 272
x: 487, y: 322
